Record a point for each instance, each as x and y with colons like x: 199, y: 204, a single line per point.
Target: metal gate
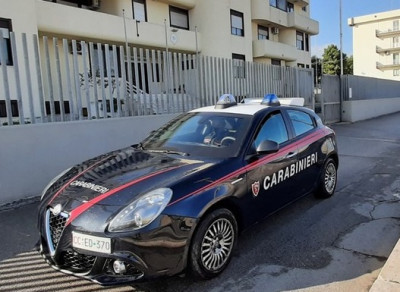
x: 330, y: 99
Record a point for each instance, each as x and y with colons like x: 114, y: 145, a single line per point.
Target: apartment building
x: 376, y: 45
x: 270, y: 31
x: 273, y: 32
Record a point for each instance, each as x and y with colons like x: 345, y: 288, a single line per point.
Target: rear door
x: 308, y: 140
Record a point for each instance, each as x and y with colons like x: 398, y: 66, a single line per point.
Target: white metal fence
x: 49, y: 79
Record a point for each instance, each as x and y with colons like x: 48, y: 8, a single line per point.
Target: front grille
x: 56, y: 224
x: 77, y: 262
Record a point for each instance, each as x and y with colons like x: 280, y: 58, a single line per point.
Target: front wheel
x: 213, y: 244
x: 328, y: 179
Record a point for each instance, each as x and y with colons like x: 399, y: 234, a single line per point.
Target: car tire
x: 327, y: 180
x: 213, y: 244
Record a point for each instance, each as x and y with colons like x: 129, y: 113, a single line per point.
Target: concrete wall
x: 31, y: 155
x: 358, y: 110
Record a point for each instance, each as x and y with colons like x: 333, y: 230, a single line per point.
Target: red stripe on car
x: 82, y: 208
x: 304, y: 141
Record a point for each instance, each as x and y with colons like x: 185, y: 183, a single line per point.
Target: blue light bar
x: 271, y: 100
x: 225, y: 101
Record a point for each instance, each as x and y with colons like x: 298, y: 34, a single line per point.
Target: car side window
x: 274, y: 129
x: 302, y: 122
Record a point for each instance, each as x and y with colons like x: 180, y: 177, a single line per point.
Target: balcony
x: 383, y: 67
x: 387, y: 51
x: 262, y: 12
x: 275, y: 50
x: 265, y: 14
x: 387, y: 34
x: 82, y: 24
x: 302, y: 3
x: 188, y: 4
x: 303, y: 23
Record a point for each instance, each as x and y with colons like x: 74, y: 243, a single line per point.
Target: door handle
x: 291, y: 154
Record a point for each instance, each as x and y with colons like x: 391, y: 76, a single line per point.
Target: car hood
x: 116, y: 179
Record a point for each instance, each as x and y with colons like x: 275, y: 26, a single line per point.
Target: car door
x: 305, y: 131
x: 268, y: 177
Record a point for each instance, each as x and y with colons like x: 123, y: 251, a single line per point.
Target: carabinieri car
x: 177, y: 201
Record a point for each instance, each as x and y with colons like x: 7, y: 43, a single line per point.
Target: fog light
x: 119, y: 267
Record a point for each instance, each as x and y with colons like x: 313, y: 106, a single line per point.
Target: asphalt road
x: 338, y: 244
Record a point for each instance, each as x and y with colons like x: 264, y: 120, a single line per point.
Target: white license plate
x: 92, y: 243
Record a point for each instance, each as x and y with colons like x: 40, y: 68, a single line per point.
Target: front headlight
x: 53, y: 181
x: 142, y: 211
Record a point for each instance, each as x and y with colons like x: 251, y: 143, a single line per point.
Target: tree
x: 331, y: 61
x: 348, y: 67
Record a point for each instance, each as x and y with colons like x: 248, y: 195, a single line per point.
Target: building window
x: 396, y: 72
x: 139, y: 10
x: 395, y: 25
x: 237, y: 23
x: 290, y: 7
x: 238, y: 65
x: 276, y: 62
x: 300, y: 65
x: 5, y: 29
x: 179, y: 17
x: 300, y: 40
x: 263, y: 33
x: 304, y: 8
x: 280, y: 4
x: 396, y: 60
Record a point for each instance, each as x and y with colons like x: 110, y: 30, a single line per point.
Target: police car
x: 176, y: 202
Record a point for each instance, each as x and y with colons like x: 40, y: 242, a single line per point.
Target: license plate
x: 92, y: 243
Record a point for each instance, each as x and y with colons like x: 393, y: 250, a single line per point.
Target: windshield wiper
x: 168, y: 152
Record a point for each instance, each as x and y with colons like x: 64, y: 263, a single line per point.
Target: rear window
x: 302, y: 122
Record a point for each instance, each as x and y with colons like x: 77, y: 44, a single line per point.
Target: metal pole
x: 197, y: 45
x: 167, y: 65
x: 341, y: 38
x: 126, y: 36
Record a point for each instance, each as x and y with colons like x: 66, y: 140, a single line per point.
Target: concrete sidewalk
x: 389, y: 277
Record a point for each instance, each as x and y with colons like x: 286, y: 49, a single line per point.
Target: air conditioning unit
x: 275, y: 30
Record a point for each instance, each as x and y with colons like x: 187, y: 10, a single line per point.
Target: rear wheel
x: 328, y: 179
x: 213, y: 244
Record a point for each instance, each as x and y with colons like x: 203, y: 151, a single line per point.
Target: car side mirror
x: 267, y: 147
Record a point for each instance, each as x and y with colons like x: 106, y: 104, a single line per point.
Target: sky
x: 326, y: 12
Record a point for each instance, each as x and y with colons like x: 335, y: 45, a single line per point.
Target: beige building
x: 274, y: 31
x: 376, y: 45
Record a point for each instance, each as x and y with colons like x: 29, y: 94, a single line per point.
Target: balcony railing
x: 275, y: 50
x: 189, y: 4
x: 302, y: 3
x: 383, y: 67
x: 303, y: 23
x: 387, y: 33
x: 388, y: 51
x: 85, y: 24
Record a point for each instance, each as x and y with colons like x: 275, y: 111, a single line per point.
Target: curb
x: 389, y: 276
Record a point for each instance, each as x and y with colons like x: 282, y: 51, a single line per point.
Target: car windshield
x: 201, y: 133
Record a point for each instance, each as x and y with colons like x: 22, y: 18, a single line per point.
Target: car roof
x: 250, y: 106
x: 240, y: 108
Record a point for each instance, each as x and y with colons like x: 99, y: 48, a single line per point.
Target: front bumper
x: 159, y: 250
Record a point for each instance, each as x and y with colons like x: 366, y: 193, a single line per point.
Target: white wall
x: 31, y: 155
x: 358, y: 110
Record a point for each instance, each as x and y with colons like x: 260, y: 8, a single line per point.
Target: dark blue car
x: 177, y: 201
